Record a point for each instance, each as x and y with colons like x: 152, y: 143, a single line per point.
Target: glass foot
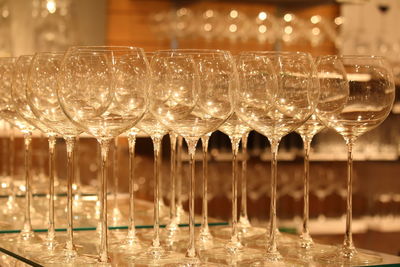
x: 229, y: 254
x: 344, y: 256
x: 157, y: 257
x: 68, y: 258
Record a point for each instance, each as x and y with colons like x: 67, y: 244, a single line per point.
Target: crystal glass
x: 235, y: 129
x: 191, y: 93
x: 156, y: 253
x: 131, y: 244
x: 205, y: 239
x: 20, y: 78
x: 41, y: 94
x: 352, y: 109
x: 172, y: 228
x: 9, y: 113
x: 274, y: 98
x: 307, y: 131
x: 103, y: 91
x: 246, y: 229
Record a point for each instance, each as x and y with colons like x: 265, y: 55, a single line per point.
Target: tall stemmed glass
x: 156, y: 253
x: 368, y: 102
x: 172, y: 227
x: 274, y: 98
x: 246, y: 229
x: 307, y: 131
x: 103, y: 91
x: 191, y: 93
x: 41, y: 94
x: 235, y: 129
x: 20, y: 79
x: 205, y: 238
x: 131, y: 243
x: 8, y: 112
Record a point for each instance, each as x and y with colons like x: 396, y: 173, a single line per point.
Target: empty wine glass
x: 205, y: 237
x: 191, y: 93
x: 8, y: 112
x: 274, y: 98
x: 150, y: 125
x: 41, y: 94
x: 20, y: 79
x: 235, y: 129
x: 131, y: 244
x: 369, y: 99
x: 102, y: 90
x: 246, y: 229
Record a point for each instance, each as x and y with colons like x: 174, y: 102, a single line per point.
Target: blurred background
x: 319, y: 27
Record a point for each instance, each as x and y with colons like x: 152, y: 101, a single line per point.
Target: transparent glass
x: 8, y: 112
x: 359, y: 92
x: 234, y: 248
x: 20, y: 78
x: 102, y: 90
x: 205, y: 238
x: 131, y: 243
x: 198, y: 100
x: 156, y: 252
x: 275, y: 96
x: 41, y: 94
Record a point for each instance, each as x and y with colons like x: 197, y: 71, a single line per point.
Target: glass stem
x: 179, y: 206
x: 172, y: 213
x: 11, y: 199
x: 115, y: 179
x: 243, y: 207
x: 156, y: 237
x: 105, y: 147
x: 305, y: 238
x: 51, y: 228
x: 272, y: 250
x: 235, y: 233
x: 191, y: 251
x: 77, y: 178
x: 131, y: 145
x: 70, y: 142
x: 27, y: 227
x: 348, y: 238
x: 204, y: 212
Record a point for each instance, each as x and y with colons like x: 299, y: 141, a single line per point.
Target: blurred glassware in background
x: 54, y: 28
x: 5, y: 29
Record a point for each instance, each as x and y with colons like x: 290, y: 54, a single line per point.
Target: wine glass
x: 235, y: 129
x: 150, y: 125
x: 103, y: 91
x: 41, y: 94
x: 205, y: 238
x: 246, y: 229
x: 9, y: 113
x: 275, y: 97
x: 20, y: 79
x: 191, y: 93
x: 369, y: 99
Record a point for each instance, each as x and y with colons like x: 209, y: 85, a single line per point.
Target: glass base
x: 244, y: 232
x: 275, y: 260
x: 230, y: 254
x: 129, y: 246
x: 343, y: 256
x: 67, y: 258
x: 157, y: 257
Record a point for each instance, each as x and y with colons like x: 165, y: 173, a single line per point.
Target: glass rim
x: 103, y: 48
x: 350, y: 56
x: 264, y: 52
x: 193, y: 51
